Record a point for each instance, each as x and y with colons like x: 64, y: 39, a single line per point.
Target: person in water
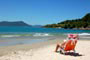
x: 70, y: 37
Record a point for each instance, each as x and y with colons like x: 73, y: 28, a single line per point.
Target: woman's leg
x: 57, y: 46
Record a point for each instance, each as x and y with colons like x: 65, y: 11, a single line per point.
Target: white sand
x: 47, y: 53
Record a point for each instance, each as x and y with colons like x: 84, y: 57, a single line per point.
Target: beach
x: 44, y: 51
x: 33, y: 29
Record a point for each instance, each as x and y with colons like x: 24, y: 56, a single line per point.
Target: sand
x: 46, y: 52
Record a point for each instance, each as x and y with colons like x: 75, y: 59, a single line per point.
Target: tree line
x: 84, y: 22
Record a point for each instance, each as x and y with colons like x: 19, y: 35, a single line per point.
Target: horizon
x: 44, y: 12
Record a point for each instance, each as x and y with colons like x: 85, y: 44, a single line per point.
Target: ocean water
x: 28, y: 35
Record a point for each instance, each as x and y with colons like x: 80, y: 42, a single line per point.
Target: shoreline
x: 46, y: 52
x: 42, y: 50
x: 4, y: 50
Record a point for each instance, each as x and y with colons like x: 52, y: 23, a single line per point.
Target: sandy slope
x: 47, y: 53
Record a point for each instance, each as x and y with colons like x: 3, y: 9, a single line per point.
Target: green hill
x: 83, y: 23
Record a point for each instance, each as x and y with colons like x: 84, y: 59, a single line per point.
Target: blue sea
x: 29, y: 35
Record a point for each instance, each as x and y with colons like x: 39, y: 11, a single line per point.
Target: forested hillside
x: 82, y: 23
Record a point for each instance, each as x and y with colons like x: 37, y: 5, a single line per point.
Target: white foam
x: 9, y: 35
x: 41, y: 34
x: 84, y: 34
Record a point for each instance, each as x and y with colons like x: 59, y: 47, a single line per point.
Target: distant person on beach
x: 70, y: 37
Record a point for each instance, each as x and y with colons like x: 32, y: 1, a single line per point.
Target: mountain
x: 36, y: 25
x: 82, y: 23
x: 16, y: 23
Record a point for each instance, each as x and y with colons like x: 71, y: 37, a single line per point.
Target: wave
x: 20, y: 35
x: 84, y: 34
x: 42, y: 34
x: 9, y: 35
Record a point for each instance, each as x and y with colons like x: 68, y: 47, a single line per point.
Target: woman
x: 70, y: 37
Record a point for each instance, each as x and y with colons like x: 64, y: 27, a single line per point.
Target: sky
x: 42, y: 12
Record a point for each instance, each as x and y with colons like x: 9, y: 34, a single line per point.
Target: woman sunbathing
x: 73, y: 37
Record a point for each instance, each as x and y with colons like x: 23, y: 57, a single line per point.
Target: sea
x: 17, y: 35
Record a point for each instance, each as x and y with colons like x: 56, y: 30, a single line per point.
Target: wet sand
x: 4, y: 50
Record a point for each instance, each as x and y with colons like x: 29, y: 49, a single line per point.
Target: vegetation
x: 76, y: 23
